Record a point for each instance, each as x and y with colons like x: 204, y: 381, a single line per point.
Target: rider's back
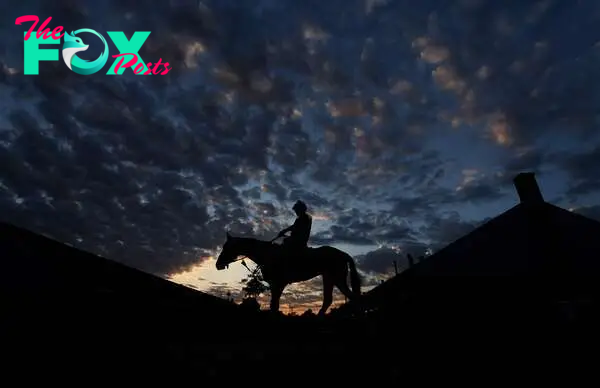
x: 302, y: 227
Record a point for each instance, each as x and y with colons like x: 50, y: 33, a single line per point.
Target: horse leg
x: 276, y: 292
x: 327, y: 294
x: 344, y: 289
x: 340, y: 282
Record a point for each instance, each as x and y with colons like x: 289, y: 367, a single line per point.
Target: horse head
x: 234, y: 247
x: 229, y: 253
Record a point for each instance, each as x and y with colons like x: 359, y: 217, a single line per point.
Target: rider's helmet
x: 300, y: 206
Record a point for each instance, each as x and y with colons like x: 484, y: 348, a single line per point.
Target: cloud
x: 510, y: 70
x: 381, y: 261
x: 479, y: 191
x: 400, y: 124
x: 583, y: 170
x: 442, y: 230
x: 592, y: 212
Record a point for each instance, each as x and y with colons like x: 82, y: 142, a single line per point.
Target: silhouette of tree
x: 254, y: 284
x: 251, y: 304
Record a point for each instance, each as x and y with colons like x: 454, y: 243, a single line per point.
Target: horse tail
x: 354, y: 277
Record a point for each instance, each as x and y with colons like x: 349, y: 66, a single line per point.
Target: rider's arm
x: 289, y: 228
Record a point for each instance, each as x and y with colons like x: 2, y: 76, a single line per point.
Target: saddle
x: 293, y: 252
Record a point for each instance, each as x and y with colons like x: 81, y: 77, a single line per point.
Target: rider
x: 300, y: 229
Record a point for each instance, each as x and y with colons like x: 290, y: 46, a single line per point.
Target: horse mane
x: 253, y: 241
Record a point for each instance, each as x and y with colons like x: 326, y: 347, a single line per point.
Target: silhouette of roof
x: 37, y: 265
x: 105, y: 317
x: 534, y: 238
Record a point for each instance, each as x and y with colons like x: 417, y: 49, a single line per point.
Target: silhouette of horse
x: 280, y: 267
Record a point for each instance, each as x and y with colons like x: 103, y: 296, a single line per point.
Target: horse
x: 280, y: 267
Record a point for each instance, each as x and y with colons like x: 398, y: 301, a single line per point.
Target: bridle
x: 243, y: 257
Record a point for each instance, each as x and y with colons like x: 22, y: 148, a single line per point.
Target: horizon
x: 400, y: 125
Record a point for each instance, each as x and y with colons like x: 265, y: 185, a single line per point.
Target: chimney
x: 527, y: 188
x: 396, y: 267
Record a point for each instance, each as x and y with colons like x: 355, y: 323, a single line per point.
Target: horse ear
x: 228, y: 235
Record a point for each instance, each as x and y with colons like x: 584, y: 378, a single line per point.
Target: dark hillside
x: 62, y: 306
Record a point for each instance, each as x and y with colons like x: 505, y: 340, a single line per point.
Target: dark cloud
x: 444, y: 229
x: 381, y: 261
x: 584, y: 187
x: 480, y: 191
x: 337, y: 234
x: 592, y: 212
x: 512, y: 68
x: 531, y: 159
x: 584, y: 171
x: 389, y: 118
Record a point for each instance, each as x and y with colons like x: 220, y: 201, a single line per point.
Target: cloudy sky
x: 400, y: 123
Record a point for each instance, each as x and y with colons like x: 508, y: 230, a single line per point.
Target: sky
x: 400, y: 123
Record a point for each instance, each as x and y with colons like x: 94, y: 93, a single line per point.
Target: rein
x: 259, y: 266
x: 238, y: 259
